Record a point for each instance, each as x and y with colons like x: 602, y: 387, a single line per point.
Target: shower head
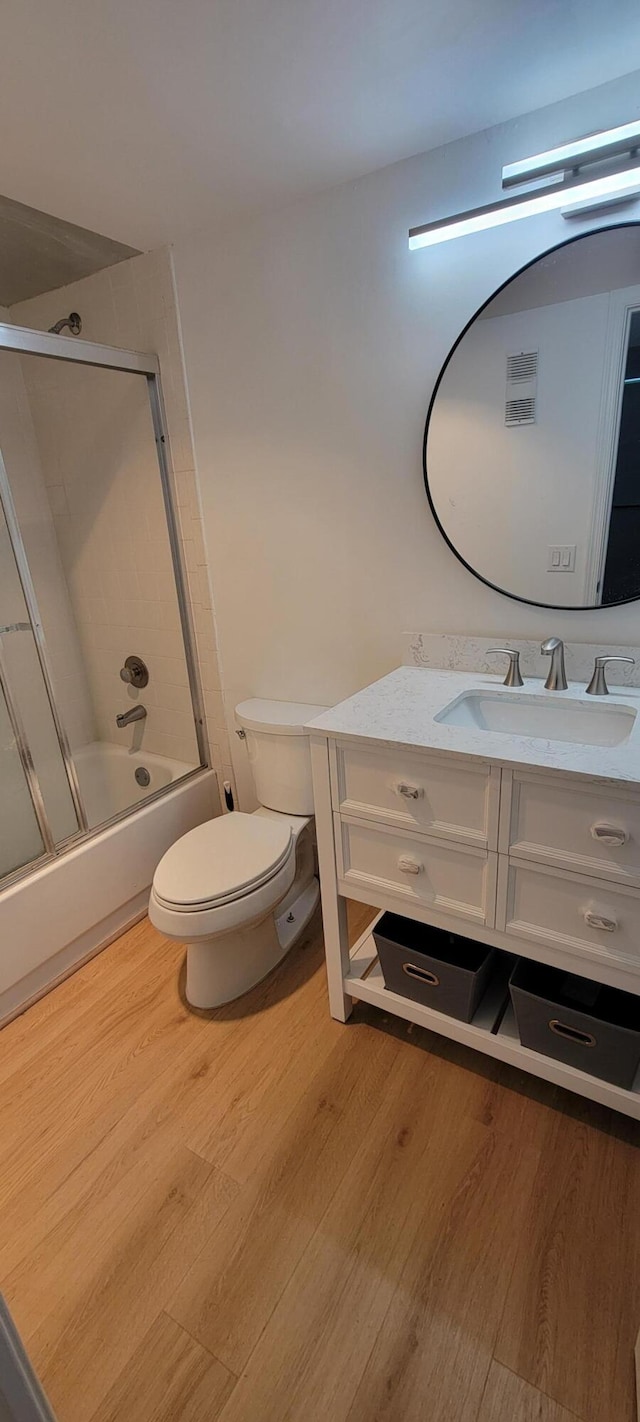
x: 73, y: 321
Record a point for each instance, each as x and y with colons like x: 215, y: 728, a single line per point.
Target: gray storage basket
x: 576, y: 1021
x: 439, y: 969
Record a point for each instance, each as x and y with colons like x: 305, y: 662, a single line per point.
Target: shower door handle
x: 16, y: 627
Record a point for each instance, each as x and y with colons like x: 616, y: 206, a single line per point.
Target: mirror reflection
x: 532, y: 451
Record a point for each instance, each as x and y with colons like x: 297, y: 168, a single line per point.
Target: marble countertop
x: 401, y: 710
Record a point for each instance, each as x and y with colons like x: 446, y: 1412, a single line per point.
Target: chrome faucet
x: 557, y: 678
x: 136, y: 713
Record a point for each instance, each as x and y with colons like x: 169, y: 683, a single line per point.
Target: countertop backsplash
x: 461, y: 653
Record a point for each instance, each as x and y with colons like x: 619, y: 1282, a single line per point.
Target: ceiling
x: 146, y: 120
x: 40, y: 253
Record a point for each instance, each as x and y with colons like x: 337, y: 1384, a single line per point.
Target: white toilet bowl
x: 239, y: 890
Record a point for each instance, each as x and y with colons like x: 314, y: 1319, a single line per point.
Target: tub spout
x: 137, y: 713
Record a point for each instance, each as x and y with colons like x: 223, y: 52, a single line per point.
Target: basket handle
x: 423, y: 974
x: 572, y: 1034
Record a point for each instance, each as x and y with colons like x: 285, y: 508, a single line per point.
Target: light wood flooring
x: 266, y: 1216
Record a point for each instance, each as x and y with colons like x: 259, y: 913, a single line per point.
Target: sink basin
x: 541, y: 717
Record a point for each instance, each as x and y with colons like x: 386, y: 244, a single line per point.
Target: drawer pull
x: 600, y: 921
x: 609, y: 834
x: 407, y: 865
x: 572, y: 1034
x: 422, y: 973
x: 410, y: 792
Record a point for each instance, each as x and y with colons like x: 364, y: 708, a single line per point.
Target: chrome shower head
x: 73, y: 321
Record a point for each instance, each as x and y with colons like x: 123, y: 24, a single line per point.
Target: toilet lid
x: 222, y: 859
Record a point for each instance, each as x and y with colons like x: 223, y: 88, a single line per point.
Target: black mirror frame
x: 552, y: 606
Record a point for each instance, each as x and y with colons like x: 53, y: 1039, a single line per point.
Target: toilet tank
x: 279, y: 756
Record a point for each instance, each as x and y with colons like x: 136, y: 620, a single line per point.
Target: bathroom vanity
x: 507, y: 815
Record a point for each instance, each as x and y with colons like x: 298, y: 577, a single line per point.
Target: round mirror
x: 532, y: 442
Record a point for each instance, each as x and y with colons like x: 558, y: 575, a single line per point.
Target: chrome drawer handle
x: 600, y: 921
x: 572, y: 1034
x: 408, y: 865
x: 422, y: 973
x: 609, y: 834
x: 410, y: 792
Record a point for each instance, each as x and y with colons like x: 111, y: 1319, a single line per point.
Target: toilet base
x: 227, y: 965
x: 290, y: 925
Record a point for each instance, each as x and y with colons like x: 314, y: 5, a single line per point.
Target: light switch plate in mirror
x: 532, y: 440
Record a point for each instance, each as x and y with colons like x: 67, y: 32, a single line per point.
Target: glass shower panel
x: 28, y: 694
x: 20, y: 838
x: 112, y: 592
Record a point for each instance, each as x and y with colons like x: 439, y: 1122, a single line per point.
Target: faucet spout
x: 557, y: 678
x: 136, y: 713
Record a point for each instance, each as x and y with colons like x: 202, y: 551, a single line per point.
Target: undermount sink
x: 540, y: 717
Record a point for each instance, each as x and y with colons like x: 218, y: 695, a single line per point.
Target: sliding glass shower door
x: 21, y: 839
x: 39, y: 808
x: 92, y: 585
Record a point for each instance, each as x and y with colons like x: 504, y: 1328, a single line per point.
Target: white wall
x: 313, y: 338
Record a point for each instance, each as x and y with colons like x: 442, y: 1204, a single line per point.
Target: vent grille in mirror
x: 523, y: 366
x: 520, y: 412
x: 522, y: 388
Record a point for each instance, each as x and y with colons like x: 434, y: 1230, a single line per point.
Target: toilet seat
x: 221, y: 861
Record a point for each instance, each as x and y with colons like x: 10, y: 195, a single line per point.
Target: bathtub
x: 67, y: 910
x: 107, y: 775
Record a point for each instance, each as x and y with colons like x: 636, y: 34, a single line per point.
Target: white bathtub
x: 64, y: 912
x: 107, y: 775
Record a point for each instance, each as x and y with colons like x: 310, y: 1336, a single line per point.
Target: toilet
x: 239, y: 890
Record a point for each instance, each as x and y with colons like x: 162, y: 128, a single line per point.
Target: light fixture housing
x: 561, y: 183
x: 595, y: 148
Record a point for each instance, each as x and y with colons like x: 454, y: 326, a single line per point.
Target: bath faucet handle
x: 135, y: 672
x: 598, y: 684
x: 513, y: 677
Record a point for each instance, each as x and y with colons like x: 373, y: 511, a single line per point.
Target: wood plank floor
x: 262, y: 1215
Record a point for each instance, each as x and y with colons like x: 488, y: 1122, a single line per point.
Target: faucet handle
x: 135, y: 672
x: 513, y: 677
x: 598, y: 684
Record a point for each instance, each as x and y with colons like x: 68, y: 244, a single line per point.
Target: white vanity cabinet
x: 541, y: 864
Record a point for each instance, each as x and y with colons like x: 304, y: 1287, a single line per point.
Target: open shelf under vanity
x: 492, y: 1030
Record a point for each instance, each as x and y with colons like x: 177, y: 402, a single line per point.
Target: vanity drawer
x: 429, y: 872
x: 435, y: 795
x: 588, y: 828
x: 569, y: 911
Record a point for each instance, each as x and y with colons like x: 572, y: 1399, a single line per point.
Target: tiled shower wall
x: 133, y: 305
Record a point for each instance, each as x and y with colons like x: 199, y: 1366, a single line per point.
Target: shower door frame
x: 24, y: 341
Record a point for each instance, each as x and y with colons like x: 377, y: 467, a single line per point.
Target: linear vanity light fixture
x: 562, y: 185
